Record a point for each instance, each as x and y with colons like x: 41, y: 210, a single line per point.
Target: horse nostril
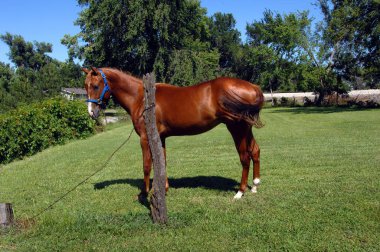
x: 95, y: 113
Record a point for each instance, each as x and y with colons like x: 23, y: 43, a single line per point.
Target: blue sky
x: 49, y: 20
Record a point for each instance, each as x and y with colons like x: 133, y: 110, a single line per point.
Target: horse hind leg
x: 240, y: 135
x: 166, y: 164
x: 254, y: 151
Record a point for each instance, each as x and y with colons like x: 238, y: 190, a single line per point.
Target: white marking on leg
x: 256, y: 183
x: 238, y: 195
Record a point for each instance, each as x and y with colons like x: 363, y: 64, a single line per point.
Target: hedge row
x: 30, y: 129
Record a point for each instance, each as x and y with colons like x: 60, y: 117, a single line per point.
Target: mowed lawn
x: 320, y: 191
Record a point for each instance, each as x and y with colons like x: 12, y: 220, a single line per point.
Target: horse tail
x: 238, y: 108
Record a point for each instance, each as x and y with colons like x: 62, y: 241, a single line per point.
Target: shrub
x: 275, y: 102
x: 307, y: 102
x: 30, y: 129
x: 284, y: 101
x: 363, y: 104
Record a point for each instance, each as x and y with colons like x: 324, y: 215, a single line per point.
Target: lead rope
x: 83, y: 181
x: 50, y: 206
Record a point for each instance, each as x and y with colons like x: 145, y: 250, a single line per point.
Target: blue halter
x: 106, y: 88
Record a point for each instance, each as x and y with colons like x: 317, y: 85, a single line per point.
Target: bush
x: 284, y: 101
x: 307, y: 102
x: 30, y: 129
x: 363, y: 104
x: 288, y: 102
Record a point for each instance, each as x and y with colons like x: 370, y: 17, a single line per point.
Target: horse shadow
x: 207, y: 182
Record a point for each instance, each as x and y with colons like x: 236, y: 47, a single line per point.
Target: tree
x: 29, y: 58
x: 226, y: 38
x: 187, y: 67
x: 22, y: 86
x: 283, y: 34
x: 274, y: 56
x: 36, y: 75
x: 139, y: 36
x: 351, y: 33
x: 6, y: 100
x: 27, y: 54
x: 74, y: 50
x: 6, y: 74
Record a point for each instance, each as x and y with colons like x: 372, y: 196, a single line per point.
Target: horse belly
x: 189, y: 125
x: 186, y: 111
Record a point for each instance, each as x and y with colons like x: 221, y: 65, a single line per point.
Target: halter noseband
x: 106, y: 88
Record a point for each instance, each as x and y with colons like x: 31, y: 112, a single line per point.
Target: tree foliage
x: 27, y: 54
x: 226, y: 38
x: 351, y: 29
x: 140, y: 36
x: 341, y: 52
x: 283, y: 52
x: 275, y: 54
x: 35, y: 75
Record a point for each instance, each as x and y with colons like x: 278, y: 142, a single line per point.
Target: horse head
x: 97, y: 89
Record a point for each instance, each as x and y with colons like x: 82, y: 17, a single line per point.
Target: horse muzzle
x: 93, y: 110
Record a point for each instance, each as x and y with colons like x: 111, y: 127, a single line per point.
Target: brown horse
x: 185, y: 111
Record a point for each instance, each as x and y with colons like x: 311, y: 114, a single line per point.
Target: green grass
x: 320, y: 190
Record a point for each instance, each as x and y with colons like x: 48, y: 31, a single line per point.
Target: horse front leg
x: 147, y: 165
x: 166, y: 167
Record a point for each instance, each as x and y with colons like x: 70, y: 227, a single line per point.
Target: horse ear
x: 94, y: 70
x: 86, y: 70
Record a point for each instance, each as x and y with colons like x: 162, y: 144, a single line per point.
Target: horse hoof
x: 238, y: 195
x: 141, y: 196
x: 254, y: 189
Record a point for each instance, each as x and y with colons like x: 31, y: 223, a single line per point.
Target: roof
x: 77, y: 91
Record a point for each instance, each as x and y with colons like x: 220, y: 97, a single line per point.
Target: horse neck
x: 127, y: 90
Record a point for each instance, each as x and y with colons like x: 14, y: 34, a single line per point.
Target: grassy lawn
x: 320, y: 190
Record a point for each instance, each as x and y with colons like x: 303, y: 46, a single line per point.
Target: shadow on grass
x: 207, y: 182
x: 316, y: 110
x: 210, y: 182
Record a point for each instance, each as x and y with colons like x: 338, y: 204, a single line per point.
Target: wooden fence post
x: 157, y: 200
x: 6, y: 214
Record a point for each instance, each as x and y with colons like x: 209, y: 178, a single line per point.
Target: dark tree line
x: 183, y: 46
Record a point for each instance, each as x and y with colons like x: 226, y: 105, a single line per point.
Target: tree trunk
x: 271, y: 95
x: 6, y: 214
x: 157, y: 200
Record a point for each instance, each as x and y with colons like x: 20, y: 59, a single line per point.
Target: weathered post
x: 157, y: 200
x: 6, y: 215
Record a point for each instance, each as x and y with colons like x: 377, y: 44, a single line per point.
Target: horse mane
x: 120, y: 71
